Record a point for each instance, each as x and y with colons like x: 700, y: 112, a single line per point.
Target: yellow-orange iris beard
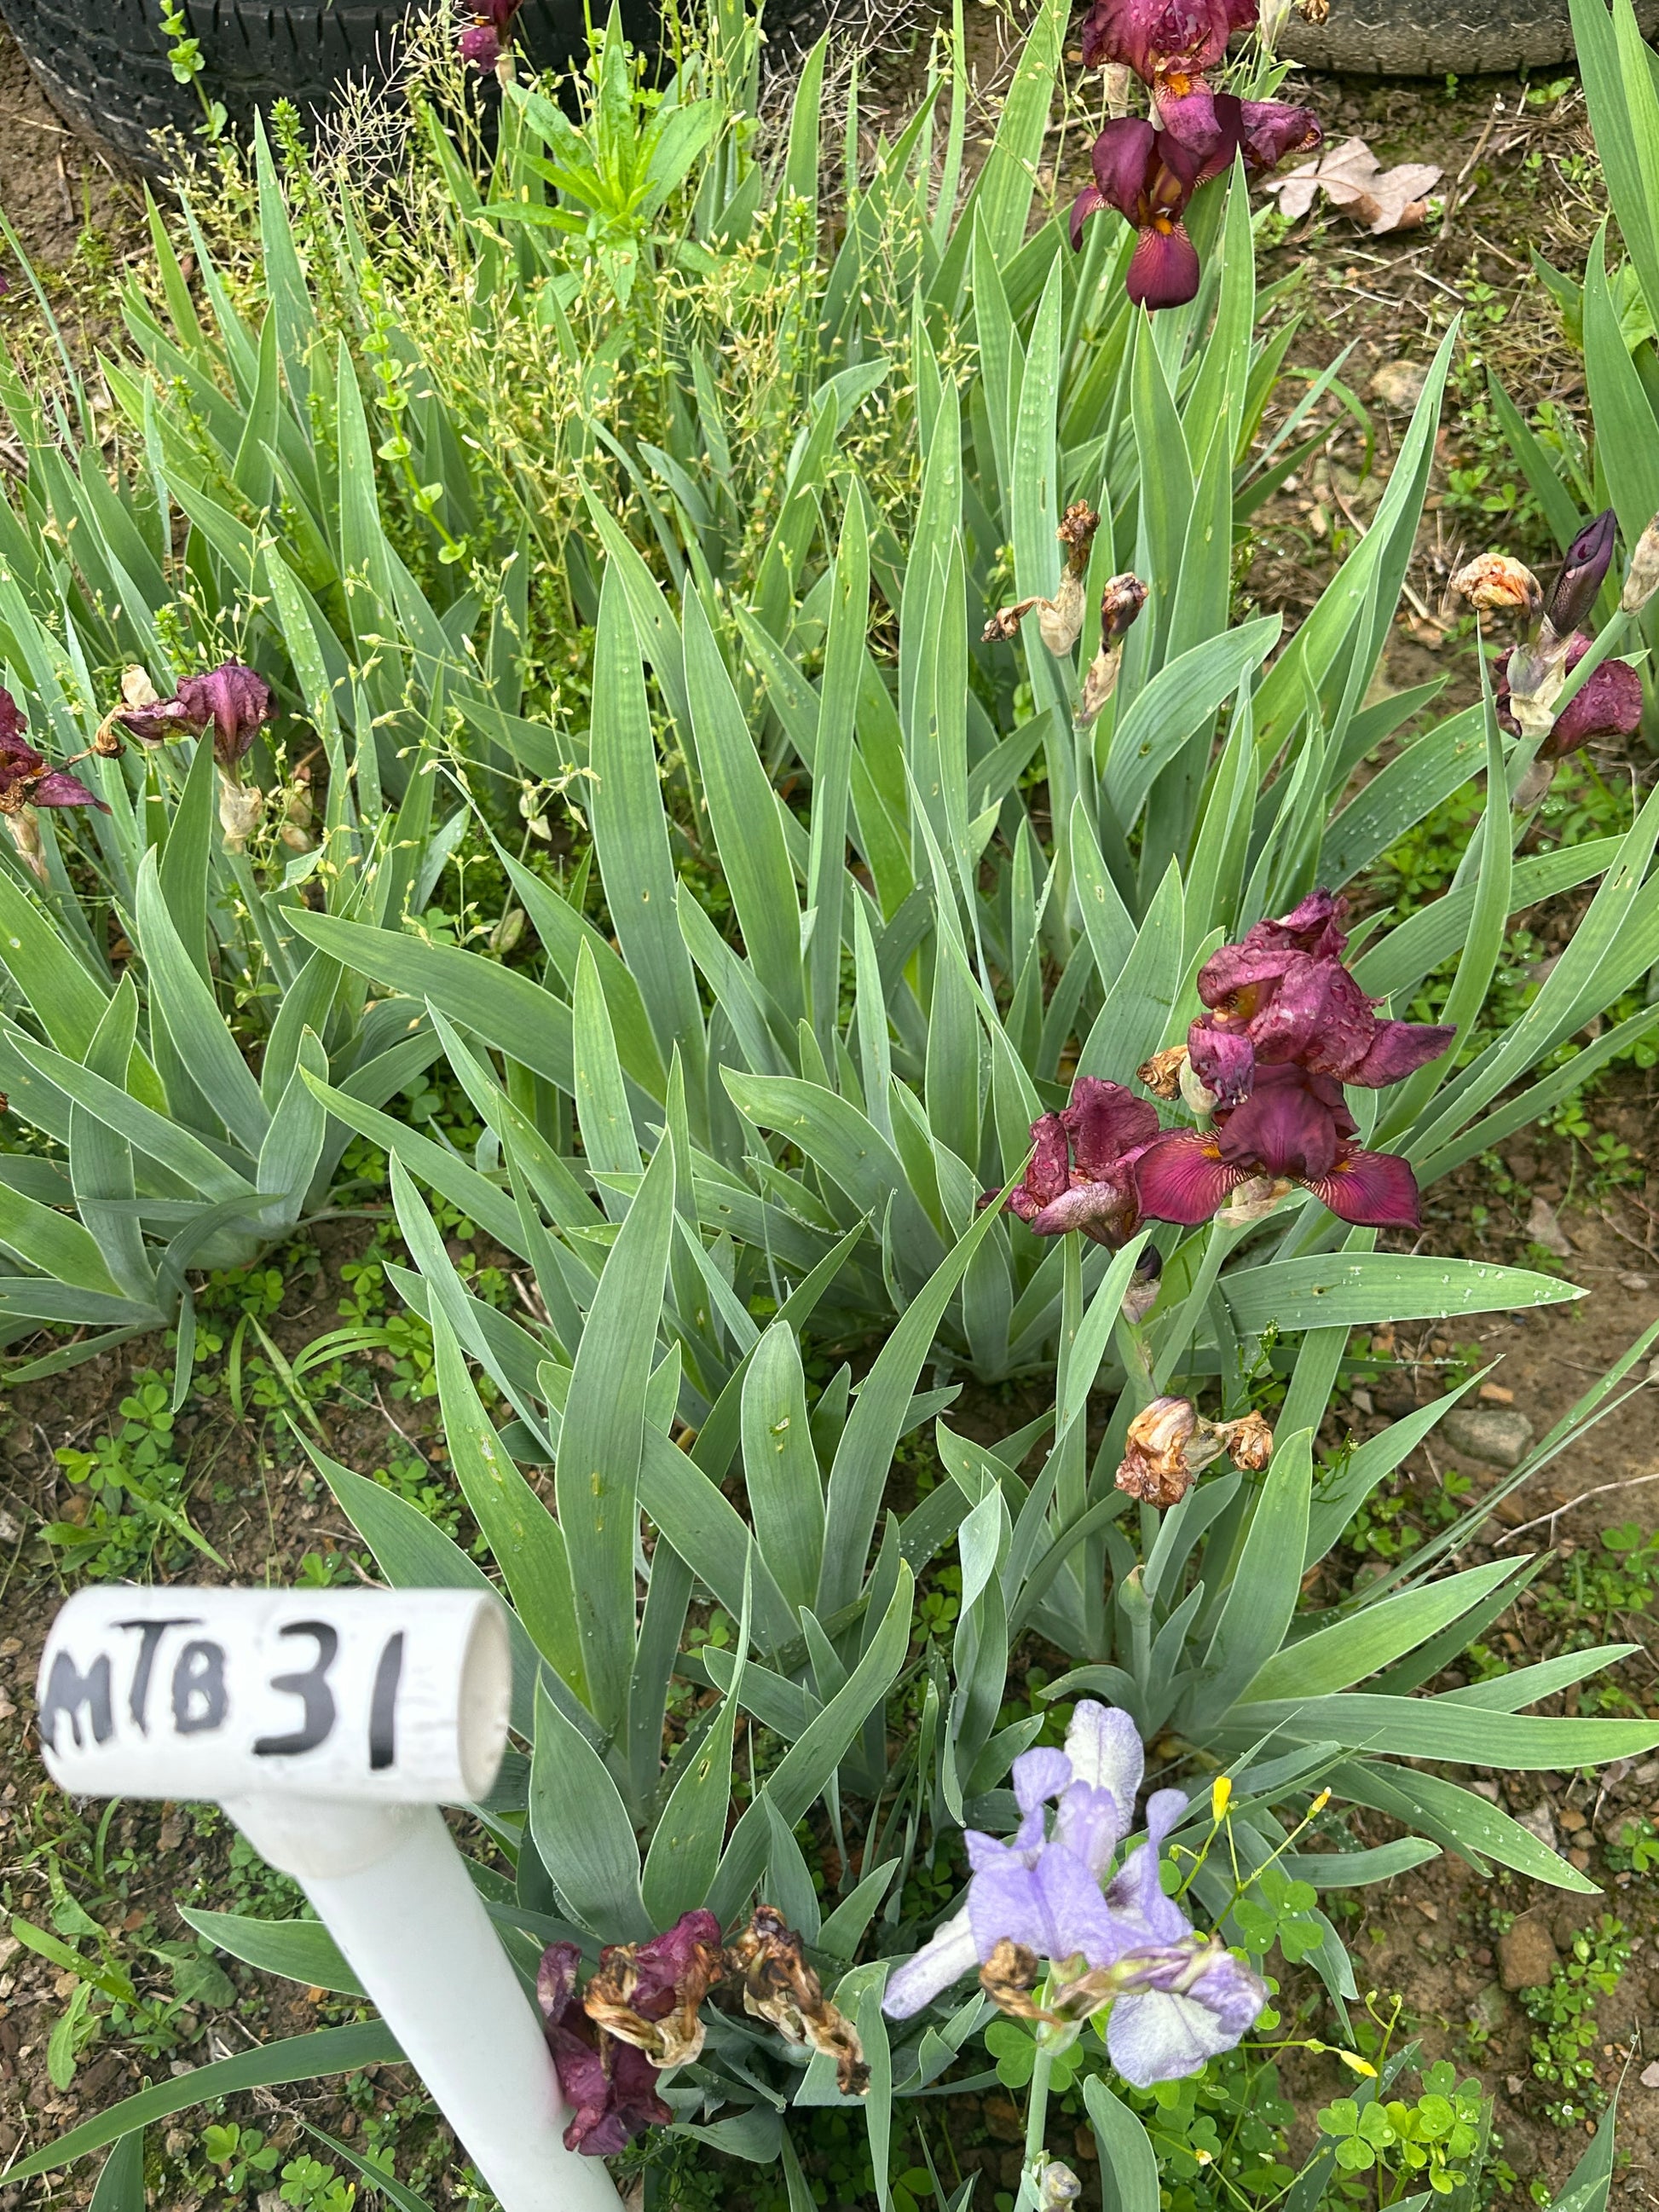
x: 1162, y: 225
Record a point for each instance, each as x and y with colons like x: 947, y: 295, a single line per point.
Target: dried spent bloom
x: 1314, y: 11
x: 1120, y: 604
x: 1162, y: 1073
x: 1496, y: 584
x: 1292, y: 1128
x: 1642, y: 577
x: 612, y: 2086
x: 1583, y: 570
x: 1059, y: 620
x: 1058, y: 2188
x: 779, y: 1987
x: 1169, y: 1443
x: 648, y: 1994
x: 1156, y: 1467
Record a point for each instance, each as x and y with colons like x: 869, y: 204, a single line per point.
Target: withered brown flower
x: 779, y: 1987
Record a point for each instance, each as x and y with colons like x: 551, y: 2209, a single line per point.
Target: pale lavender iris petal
x: 1373, y: 1190
x: 1038, y: 1776
x: 1089, y: 1825
x: 1152, y: 2036
x: 1135, y: 1895
x: 1103, y: 1746
x: 950, y: 1954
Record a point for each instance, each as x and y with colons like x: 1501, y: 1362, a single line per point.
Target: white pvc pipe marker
x: 330, y: 1725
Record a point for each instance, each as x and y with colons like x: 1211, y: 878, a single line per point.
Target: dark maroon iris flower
x: 1150, y: 176
x: 1167, y: 43
x: 612, y: 2086
x: 25, y: 778
x: 1082, y: 1174
x: 1292, y: 1128
x: 1281, y: 996
x: 1265, y: 132
x: 1608, y: 706
x: 485, y: 39
x: 235, y: 698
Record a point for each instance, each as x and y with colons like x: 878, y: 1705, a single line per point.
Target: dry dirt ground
x: 1521, y: 171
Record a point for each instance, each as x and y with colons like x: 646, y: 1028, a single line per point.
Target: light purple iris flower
x: 1176, y: 1999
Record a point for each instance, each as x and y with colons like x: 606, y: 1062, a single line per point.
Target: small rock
x: 1633, y: 1282
x: 1400, y: 384
x: 1496, y: 1434
x: 1544, y: 1228
x: 1539, y: 1822
x: 1647, y: 1772
x: 1526, y: 1956
x: 1511, y: 1511
x: 1002, y: 2118
x: 1580, y: 1860
x: 10, y: 1529
x: 1649, y: 2077
x: 1572, y: 1819
x: 1514, y: 2085
x: 1362, y: 1401
x: 1495, y: 1394
x: 1489, y: 2009
x: 1394, y: 1396
x: 1486, y: 1789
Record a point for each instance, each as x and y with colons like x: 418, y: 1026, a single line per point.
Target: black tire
x: 1440, y: 38
x: 104, y: 62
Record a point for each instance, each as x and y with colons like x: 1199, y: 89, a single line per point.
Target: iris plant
x: 1175, y: 1998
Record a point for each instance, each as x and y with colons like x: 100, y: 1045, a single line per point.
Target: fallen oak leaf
x: 1354, y: 180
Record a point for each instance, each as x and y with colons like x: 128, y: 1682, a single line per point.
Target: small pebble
x: 1496, y: 1394
x: 1580, y: 1859
x: 1633, y: 1282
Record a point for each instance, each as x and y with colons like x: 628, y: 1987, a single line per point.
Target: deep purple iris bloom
x: 1082, y: 1174
x: 1167, y: 43
x: 1282, y: 995
x: 1175, y: 2001
x: 612, y: 2086
x: 235, y: 698
x: 1608, y: 706
x: 1292, y: 1128
x: 1150, y: 176
x: 25, y: 778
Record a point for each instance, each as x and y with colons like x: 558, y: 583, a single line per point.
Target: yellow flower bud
x: 1352, y: 2058
x: 1221, y: 1795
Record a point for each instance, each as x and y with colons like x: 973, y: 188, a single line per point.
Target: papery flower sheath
x: 612, y: 2086
x: 648, y: 1994
x: 1081, y: 1174
x: 1608, y: 705
x: 1292, y: 1128
x: 1282, y: 995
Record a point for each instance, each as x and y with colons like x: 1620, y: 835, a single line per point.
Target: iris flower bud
x: 1582, y: 570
